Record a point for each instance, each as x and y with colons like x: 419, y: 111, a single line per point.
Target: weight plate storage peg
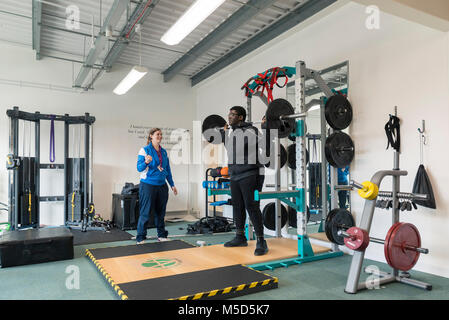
x: 269, y: 216
x: 276, y: 109
x: 210, y: 128
x: 339, y: 149
x: 338, y: 112
x: 336, y: 220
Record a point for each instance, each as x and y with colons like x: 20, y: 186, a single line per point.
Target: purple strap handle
x: 52, y: 139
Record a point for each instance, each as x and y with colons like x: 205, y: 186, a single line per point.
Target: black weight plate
x: 339, y: 149
x: 269, y: 216
x: 334, y: 222
x: 292, y: 218
x: 338, y: 112
x: 276, y: 109
x: 211, y: 122
x: 283, y: 159
x: 291, y: 156
x: 327, y: 223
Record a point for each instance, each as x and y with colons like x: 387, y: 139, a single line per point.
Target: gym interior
x: 354, y: 95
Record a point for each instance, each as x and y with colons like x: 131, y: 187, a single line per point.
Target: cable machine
x: 24, y: 170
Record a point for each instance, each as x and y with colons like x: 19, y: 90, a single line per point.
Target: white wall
x: 150, y: 103
x: 402, y: 64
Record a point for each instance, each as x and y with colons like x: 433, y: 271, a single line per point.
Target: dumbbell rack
x: 353, y: 285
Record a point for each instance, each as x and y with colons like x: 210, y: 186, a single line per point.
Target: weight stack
x: 75, y: 171
x: 27, y: 184
x: 315, y: 185
x: 125, y: 211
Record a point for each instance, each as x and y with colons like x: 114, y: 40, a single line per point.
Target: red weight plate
x: 399, y: 236
x: 387, y: 242
x: 359, y: 240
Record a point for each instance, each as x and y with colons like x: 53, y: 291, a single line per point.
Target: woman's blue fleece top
x: 149, y: 172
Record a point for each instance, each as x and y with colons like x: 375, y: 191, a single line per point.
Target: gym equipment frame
x: 352, y: 284
x: 305, y: 251
x: 21, y: 166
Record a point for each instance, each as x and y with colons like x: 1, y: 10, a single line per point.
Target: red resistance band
x: 266, y: 81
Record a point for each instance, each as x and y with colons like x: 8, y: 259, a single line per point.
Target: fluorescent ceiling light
x: 136, y: 73
x: 196, y: 14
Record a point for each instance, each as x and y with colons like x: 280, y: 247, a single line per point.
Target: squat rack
x: 17, y: 166
x: 305, y: 251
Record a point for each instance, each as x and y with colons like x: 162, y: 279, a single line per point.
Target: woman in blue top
x: 153, y: 163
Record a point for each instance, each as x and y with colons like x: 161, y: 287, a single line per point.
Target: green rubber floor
x: 79, y: 279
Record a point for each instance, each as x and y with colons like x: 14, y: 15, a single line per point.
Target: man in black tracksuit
x: 246, y: 174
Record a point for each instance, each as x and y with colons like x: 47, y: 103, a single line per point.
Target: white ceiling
x: 57, y: 41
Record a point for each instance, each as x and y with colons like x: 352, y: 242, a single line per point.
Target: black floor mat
x: 219, y: 283
x: 96, y: 236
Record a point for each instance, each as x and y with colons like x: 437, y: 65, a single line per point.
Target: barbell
x: 402, y: 245
x: 281, y: 115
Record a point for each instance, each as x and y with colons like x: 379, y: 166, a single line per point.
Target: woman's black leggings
x: 242, y: 194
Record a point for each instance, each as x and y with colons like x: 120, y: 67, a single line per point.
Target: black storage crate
x: 125, y: 211
x: 22, y: 247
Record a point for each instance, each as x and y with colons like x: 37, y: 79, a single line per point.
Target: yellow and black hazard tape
x: 224, y: 291
x: 116, y: 288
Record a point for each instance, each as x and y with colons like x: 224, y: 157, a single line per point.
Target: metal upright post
x: 277, y: 183
x: 324, y: 179
x: 37, y: 162
x: 14, y: 197
x: 86, y: 162
x: 395, y: 189
x: 304, y: 247
x: 66, y: 172
x: 248, y: 109
x: 10, y: 176
x: 16, y: 172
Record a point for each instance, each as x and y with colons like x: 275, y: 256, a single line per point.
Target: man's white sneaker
x: 140, y: 242
x: 162, y: 239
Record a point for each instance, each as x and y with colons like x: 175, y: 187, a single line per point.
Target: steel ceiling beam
x: 122, y: 42
x: 113, y: 17
x: 236, y: 20
x: 36, y: 27
x: 120, y: 45
x: 296, y: 16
